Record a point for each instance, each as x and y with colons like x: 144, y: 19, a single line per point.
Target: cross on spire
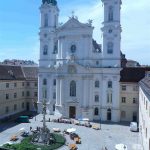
x: 73, y: 12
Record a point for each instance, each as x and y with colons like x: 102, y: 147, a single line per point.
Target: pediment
x: 73, y: 23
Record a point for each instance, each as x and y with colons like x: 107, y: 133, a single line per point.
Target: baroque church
x: 78, y: 77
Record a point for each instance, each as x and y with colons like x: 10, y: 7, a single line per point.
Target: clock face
x: 73, y: 48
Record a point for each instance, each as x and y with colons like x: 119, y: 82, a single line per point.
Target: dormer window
x: 73, y: 48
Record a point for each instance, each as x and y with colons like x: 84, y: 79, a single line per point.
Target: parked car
x: 25, y: 134
x: 73, y: 135
x: 134, y: 126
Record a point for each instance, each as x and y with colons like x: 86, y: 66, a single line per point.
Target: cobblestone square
x: 108, y: 136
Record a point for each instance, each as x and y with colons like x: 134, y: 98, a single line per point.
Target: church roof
x: 53, y: 2
x: 134, y: 74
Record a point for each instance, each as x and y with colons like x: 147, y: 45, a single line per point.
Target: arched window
x: 45, y: 20
x: 45, y: 50
x: 96, y: 111
x: 110, y: 47
x: 73, y: 48
x: 96, y: 98
x: 54, y: 107
x: 72, y: 88
x: 97, y: 84
x: 54, y: 82
x: 110, y: 14
x: 44, y: 81
x: 109, y: 84
x: 55, y: 48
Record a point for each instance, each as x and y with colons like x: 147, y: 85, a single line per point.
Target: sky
x: 20, y: 22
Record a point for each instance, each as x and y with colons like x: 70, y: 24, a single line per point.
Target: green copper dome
x: 53, y: 2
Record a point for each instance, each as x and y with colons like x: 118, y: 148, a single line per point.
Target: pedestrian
x: 30, y: 128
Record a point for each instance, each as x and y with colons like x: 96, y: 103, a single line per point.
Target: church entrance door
x: 109, y: 114
x: 72, y: 112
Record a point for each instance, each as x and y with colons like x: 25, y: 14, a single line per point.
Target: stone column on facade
x: 59, y: 95
x: 58, y: 91
x: 91, y: 93
x: 116, y: 99
x: 61, y: 92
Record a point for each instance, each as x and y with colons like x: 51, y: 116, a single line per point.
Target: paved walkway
x: 109, y: 136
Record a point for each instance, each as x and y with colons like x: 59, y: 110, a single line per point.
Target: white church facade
x: 78, y: 77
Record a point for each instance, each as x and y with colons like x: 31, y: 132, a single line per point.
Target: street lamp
x: 35, y: 106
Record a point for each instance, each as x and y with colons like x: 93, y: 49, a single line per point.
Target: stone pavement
x: 108, y: 136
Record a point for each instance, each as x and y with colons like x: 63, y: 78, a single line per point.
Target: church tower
x: 111, y: 33
x: 49, y: 23
x: 48, y: 48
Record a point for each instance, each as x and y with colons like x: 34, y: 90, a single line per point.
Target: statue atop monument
x: 53, y: 2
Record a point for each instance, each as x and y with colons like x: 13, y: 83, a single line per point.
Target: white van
x: 134, y: 126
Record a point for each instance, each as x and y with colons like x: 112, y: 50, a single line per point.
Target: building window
x: 44, y: 81
x: 146, y: 132
x: 22, y: 93
x: 55, y: 48
x: 7, y: 110
x: 97, y: 62
x: 7, y: 96
x: 72, y: 88
x: 15, y: 107
x: 73, y: 48
x: 96, y: 98
x: 54, y: 95
x: 146, y: 105
x: 109, y: 84
x: 45, y: 50
x: 135, y: 88
x: 28, y: 93
x: 46, y: 20
x: 109, y: 97
x: 7, y: 85
x: 110, y: 46
x: 97, y: 84
x: 28, y: 83
x: 15, y: 84
x: 45, y: 93
x: 123, y: 114
x: 54, y: 82
x: 134, y: 100
x: 35, y: 84
x: 124, y: 88
x: 96, y: 111
x: 123, y: 99
x: 22, y: 83
x: 35, y: 94
x: 23, y: 105
x: 110, y: 14
x: 54, y: 107
x: 15, y: 95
